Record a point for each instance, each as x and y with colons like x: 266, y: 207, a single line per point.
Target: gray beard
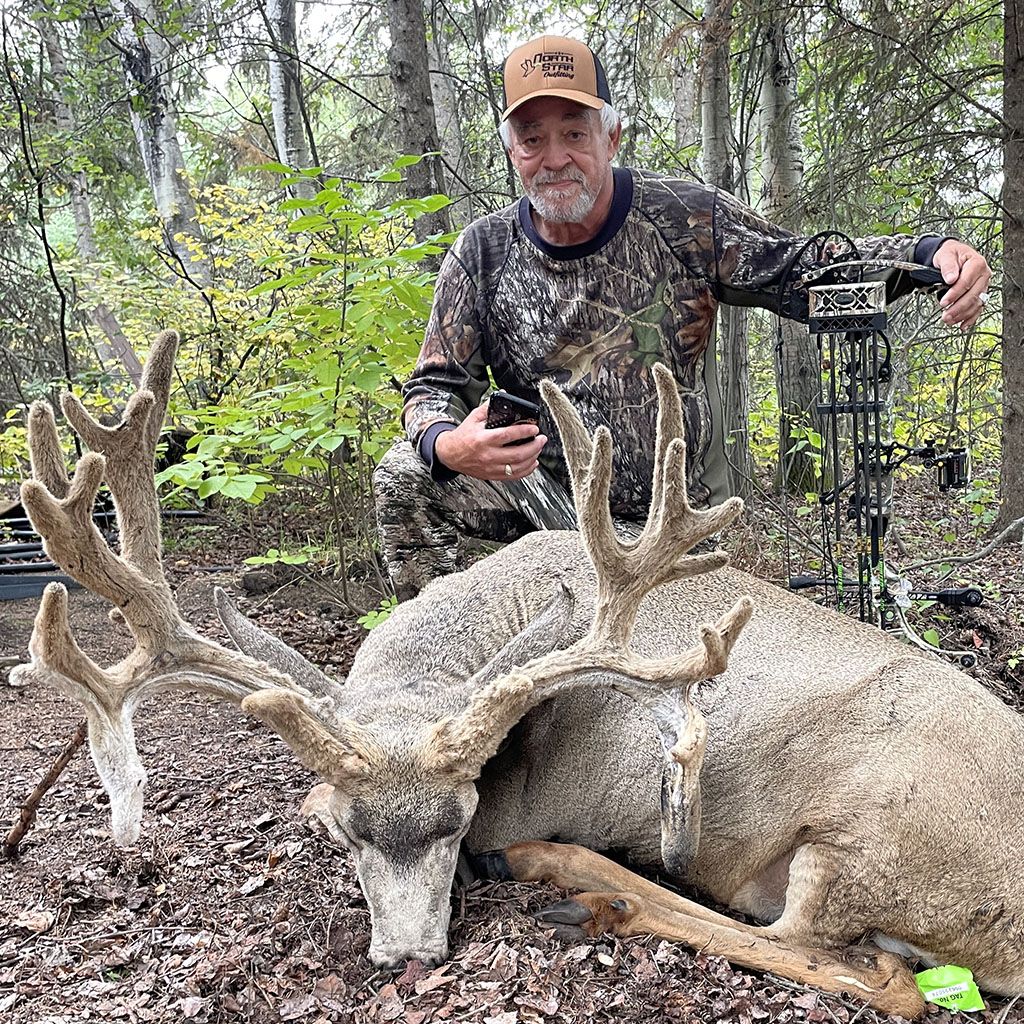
x: 560, y: 213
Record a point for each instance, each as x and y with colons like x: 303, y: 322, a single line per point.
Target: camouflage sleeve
x: 757, y: 262
x: 451, y: 372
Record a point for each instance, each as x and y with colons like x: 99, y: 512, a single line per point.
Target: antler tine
x: 156, y: 378
x: 129, y: 449
x: 669, y: 427
x: 57, y: 656
x: 44, y: 450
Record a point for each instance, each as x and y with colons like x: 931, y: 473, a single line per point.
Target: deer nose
x: 399, y: 961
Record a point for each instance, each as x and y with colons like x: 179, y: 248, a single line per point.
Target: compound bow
x: 847, y: 316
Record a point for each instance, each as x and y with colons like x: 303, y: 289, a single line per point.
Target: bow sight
x: 847, y: 318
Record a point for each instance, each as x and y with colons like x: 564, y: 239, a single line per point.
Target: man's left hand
x: 967, y: 274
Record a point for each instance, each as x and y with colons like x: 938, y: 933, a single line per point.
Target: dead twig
x: 1000, y: 1017
x: 31, y: 805
x: 963, y: 559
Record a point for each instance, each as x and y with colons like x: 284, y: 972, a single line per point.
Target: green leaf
x: 930, y: 637
x: 212, y: 485
x: 308, y: 222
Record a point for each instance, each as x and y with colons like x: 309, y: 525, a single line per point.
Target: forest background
x: 278, y: 181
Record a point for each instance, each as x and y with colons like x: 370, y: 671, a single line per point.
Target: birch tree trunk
x: 718, y: 169
x: 146, y: 58
x: 781, y: 173
x: 283, y: 71
x: 417, y: 128
x: 1011, y: 480
x: 112, y: 346
x: 446, y: 115
x: 684, y: 97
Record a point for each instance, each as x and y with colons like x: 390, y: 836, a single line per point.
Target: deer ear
x: 337, y: 759
x: 264, y: 646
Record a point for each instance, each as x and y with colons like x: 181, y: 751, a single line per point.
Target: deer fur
x: 827, y: 780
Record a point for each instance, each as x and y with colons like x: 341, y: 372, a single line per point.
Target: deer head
x: 400, y: 765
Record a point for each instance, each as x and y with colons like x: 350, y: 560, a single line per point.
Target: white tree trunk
x: 147, y: 59
x: 446, y: 117
x: 684, y: 97
x: 285, y: 92
x: 782, y: 162
x: 781, y: 174
x: 718, y: 167
x: 112, y: 346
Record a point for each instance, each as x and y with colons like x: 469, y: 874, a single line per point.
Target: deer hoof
x: 492, y: 865
x: 564, y: 912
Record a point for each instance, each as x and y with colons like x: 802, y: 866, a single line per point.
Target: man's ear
x: 614, y: 138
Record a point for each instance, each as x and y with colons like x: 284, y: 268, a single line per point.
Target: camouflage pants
x: 425, y: 524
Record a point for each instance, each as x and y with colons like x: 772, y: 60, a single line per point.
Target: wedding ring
x: 983, y: 298
x: 508, y: 469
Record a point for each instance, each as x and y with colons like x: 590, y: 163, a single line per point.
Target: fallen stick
x: 31, y: 805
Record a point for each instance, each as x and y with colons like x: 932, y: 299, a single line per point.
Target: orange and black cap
x: 554, y: 66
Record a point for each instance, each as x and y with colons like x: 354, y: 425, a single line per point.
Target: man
x: 595, y: 275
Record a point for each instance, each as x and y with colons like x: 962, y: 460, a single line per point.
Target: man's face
x: 562, y: 156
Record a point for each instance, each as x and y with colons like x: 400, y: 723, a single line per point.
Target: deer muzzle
x: 410, y: 904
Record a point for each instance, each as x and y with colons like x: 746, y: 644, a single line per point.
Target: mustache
x: 570, y: 173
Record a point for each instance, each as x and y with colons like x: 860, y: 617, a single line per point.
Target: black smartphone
x: 504, y: 409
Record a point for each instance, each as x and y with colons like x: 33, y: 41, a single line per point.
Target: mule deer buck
x: 829, y: 781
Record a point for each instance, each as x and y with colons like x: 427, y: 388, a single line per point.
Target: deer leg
x: 575, y: 867
x: 638, y: 907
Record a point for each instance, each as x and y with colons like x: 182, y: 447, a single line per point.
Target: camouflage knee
x: 417, y: 543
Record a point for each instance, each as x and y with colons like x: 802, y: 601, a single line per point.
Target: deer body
x: 828, y: 781
x: 843, y: 774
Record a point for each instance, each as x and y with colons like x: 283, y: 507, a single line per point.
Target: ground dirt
x: 232, y: 908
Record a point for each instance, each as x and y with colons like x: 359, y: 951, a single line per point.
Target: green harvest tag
x: 950, y: 986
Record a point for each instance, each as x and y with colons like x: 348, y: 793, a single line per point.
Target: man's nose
x: 556, y: 156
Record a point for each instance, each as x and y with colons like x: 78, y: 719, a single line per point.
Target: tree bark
x: 684, y: 97
x: 146, y: 58
x: 1011, y: 480
x: 494, y: 95
x: 718, y: 169
x: 781, y: 173
x: 446, y: 115
x: 417, y: 127
x: 283, y: 72
x: 113, y: 346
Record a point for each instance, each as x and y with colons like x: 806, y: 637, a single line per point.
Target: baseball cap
x: 554, y: 66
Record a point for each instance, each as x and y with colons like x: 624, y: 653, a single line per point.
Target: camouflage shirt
x: 594, y: 318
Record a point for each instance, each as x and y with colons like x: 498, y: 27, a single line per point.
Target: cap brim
x: 584, y: 99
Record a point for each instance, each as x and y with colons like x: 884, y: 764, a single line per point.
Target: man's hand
x: 967, y: 273
x: 474, y: 450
